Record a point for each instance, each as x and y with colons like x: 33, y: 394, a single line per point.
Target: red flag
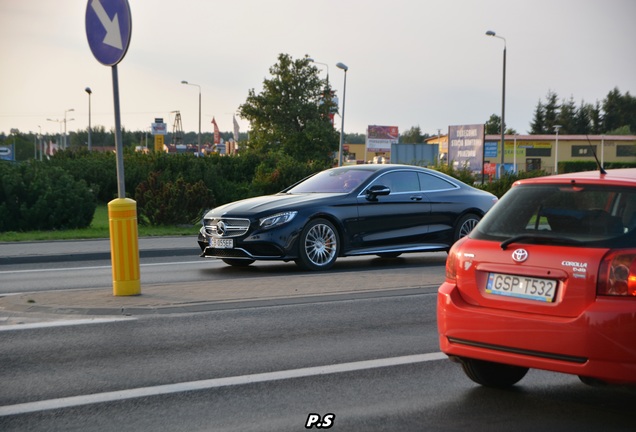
x: 217, y: 134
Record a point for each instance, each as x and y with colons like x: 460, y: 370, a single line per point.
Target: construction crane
x: 177, y: 130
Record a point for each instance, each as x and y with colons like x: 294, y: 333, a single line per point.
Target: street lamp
x: 344, y: 92
x: 89, y: 91
x: 503, y: 99
x: 556, y: 149
x: 65, y: 120
x: 324, y: 64
x: 199, y: 136
x: 59, y: 140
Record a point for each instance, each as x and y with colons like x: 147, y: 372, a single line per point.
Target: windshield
x: 574, y: 212
x: 339, y: 180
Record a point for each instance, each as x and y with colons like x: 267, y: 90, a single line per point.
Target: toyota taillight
x: 453, y: 260
x: 617, y: 274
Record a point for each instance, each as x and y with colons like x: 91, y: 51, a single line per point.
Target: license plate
x: 220, y: 243
x: 521, y: 287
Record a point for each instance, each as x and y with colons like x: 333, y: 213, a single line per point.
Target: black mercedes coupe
x: 383, y: 210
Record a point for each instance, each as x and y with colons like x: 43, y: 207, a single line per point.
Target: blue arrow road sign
x: 108, y: 29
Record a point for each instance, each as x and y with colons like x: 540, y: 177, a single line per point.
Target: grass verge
x: 98, y: 229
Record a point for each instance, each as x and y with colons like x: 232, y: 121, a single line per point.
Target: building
x: 544, y: 152
x: 358, y: 154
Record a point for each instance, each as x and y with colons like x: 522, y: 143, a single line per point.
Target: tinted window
x: 575, y: 212
x: 400, y: 181
x: 336, y: 180
x: 432, y: 183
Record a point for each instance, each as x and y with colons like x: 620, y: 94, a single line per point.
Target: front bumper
x: 275, y: 244
x: 600, y: 343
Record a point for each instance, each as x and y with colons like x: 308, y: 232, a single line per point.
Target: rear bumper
x: 600, y: 343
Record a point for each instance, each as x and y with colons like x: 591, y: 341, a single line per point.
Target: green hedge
x: 37, y: 196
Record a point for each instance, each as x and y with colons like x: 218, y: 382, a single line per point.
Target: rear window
x: 576, y: 212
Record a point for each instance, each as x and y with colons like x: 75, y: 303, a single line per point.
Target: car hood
x: 269, y: 204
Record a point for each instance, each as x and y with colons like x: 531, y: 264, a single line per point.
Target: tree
x: 583, y: 119
x: 567, y: 116
x: 355, y: 138
x: 412, y: 136
x: 291, y: 115
x: 620, y: 111
x: 551, y: 112
x: 493, y: 125
x: 538, y: 121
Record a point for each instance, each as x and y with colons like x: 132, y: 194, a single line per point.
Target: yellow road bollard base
x: 124, y: 246
x: 126, y: 288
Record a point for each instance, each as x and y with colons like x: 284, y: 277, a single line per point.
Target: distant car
x: 547, y: 280
x: 383, y: 210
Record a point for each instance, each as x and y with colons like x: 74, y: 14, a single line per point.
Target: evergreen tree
x: 596, y: 117
x: 583, y: 119
x: 567, y: 116
x: 537, y: 126
x: 551, y: 112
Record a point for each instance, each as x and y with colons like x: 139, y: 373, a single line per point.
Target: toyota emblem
x: 520, y: 255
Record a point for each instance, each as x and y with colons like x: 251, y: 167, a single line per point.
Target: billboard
x: 380, y: 138
x: 466, y: 146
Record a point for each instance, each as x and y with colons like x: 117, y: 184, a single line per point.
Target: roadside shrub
x: 176, y: 202
x: 36, y: 196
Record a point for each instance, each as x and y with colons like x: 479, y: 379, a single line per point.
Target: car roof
x: 621, y: 176
x: 381, y: 167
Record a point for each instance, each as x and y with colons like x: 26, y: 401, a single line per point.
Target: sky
x: 411, y: 62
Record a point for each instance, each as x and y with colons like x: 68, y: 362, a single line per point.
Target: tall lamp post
x: 344, y: 92
x: 556, y: 149
x: 503, y: 100
x: 324, y: 64
x: 89, y: 91
x: 65, y: 120
x: 199, y: 136
x: 59, y: 140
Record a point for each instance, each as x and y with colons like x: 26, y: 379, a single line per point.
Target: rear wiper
x: 539, y: 238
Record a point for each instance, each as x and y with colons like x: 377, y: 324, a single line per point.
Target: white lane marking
x: 62, y: 323
x: 120, y: 395
x: 99, y: 267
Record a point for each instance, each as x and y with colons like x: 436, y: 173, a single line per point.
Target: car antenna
x: 598, y: 164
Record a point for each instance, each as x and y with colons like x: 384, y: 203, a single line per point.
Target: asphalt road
x: 359, y: 357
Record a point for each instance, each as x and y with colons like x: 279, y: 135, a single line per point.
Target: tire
x: 234, y: 262
x: 492, y: 374
x: 465, y: 225
x: 318, y: 245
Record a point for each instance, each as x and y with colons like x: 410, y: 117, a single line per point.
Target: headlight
x: 277, y: 219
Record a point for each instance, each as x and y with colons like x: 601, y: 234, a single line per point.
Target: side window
x: 432, y: 183
x: 400, y: 181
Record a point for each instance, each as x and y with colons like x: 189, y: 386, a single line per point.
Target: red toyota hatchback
x: 547, y: 280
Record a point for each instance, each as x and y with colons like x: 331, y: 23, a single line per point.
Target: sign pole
x: 121, y: 188
x: 108, y: 29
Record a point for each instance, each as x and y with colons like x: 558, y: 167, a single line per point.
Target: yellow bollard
x: 124, y: 246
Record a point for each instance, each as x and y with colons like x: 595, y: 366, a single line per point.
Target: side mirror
x: 376, y: 190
